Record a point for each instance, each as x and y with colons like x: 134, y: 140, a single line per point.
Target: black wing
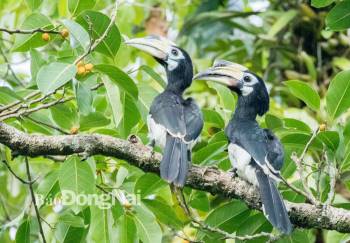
x: 263, y: 146
x: 193, y: 119
x: 181, y: 118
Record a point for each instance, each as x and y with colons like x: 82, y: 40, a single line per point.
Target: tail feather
x: 174, y: 165
x: 273, y: 205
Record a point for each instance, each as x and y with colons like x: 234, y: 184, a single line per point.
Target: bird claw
x: 233, y: 171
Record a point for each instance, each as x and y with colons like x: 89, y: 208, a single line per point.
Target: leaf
x: 84, y: 98
x: 296, y: 124
x: 119, y: 78
x: 147, y: 228
x: 148, y: 184
x: 34, y: 4
x: 206, y: 155
x: 93, y: 120
x: 330, y: 139
x: 7, y: 95
x: 321, y: 3
x: 79, y: 36
x: 36, y: 62
x: 24, y: 43
x: 76, y: 177
x: 101, y: 225
x: 126, y: 230
x: 111, y: 43
x: 68, y: 234
x: 199, y: 200
x: 48, y: 184
x: 131, y: 115
x: 154, y: 75
x: 121, y: 175
x: 273, y: 122
x: 304, y: 92
x: 64, y: 115
x: 77, y: 6
x: 53, y: 76
x: 72, y: 220
x: 23, y: 232
x: 339, y: 16
x: 213, y: 118
x: 254, y: 224
x: 338, y: 94
x: 281, y: 22
x: 113, y: 95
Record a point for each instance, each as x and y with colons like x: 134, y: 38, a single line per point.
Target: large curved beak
x: 226, y: 73
x: 156, y: 46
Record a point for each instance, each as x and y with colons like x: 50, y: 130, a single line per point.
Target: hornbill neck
x: 179, y: 80
x: 247, y: 109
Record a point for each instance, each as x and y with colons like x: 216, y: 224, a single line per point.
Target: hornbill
x: 174, y: 123
x: 256, y: 154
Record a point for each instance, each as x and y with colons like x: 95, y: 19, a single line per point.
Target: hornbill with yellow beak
x: 174, y: 123
x: 256, y: 154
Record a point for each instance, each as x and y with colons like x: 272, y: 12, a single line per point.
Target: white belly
x: 240, y: 160
x: 156, y: 132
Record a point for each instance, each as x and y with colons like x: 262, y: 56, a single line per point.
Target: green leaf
x: 273, y: 122
x: 254, y: 224
x: 7, y: 95
x: 213, y: 118
x: 126, y: 230
x: 154, y: 75
x: 72, y: 220
x: 64, y: 115
x: 147, y: 227
x: 77, y: 177
x: 163, y: 212
x: 93, y: 120
x: 121, y: 175
x: 119, y: 78
x: 77, y: 6
x: 304, y: 92
x: 24, y: 43
x: 296, y: 125
x: 113, y: 95
x: 330, y: 139
x: 199, y: 200
x: 23, y: 232
x: 207, y: 154
x: 281, y: 22
x: 79, y: 36
x: 131, y: 115
x: 48, y: 184
x: 148, y: 184
x: 101, y: 225
x: 68, y: 234
x: 321, y: 3
x: 84, y: 98
x: 34, y: 4
x: 338, y: 94
x: 109, y: 45
x: 36, y: 62
x: 54, y: 75
x: 339, y: 17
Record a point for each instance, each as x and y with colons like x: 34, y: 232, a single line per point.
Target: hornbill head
x: 175, y: 60
x: 250, y: 88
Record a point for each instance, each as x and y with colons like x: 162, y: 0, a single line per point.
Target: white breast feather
x: 156, y: 132
x: 240, y: 160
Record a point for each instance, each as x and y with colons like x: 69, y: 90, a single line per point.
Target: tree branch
x: 208, y: 179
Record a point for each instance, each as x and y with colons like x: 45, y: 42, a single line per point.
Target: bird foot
x: 233, y: 171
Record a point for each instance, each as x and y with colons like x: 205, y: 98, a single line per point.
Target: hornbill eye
x: 247, y: 79
x: 174, y: 52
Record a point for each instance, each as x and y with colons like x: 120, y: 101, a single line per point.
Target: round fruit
x: 64, y: 33
x: 81, y: 70
x: 74, y: 130
x: 45, y: 37
x: 89, y: 67
x: 323, y: 127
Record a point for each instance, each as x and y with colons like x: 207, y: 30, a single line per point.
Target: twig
x: 15, y: 175
x: 298, y: 161
x: 297, y: 190
x: 34, y: 200
x: 9, y: 68
x: 332, y: 171
x: 6, y: 107
x: 186, y: 238
x: 38, y: 30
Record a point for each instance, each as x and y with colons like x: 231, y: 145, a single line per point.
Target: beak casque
x: 224, y: 72
x: 156, y: 46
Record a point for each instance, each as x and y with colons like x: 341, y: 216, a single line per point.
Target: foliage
x: 300, y: 49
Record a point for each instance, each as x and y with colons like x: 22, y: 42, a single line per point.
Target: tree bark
x: 207, y: 179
